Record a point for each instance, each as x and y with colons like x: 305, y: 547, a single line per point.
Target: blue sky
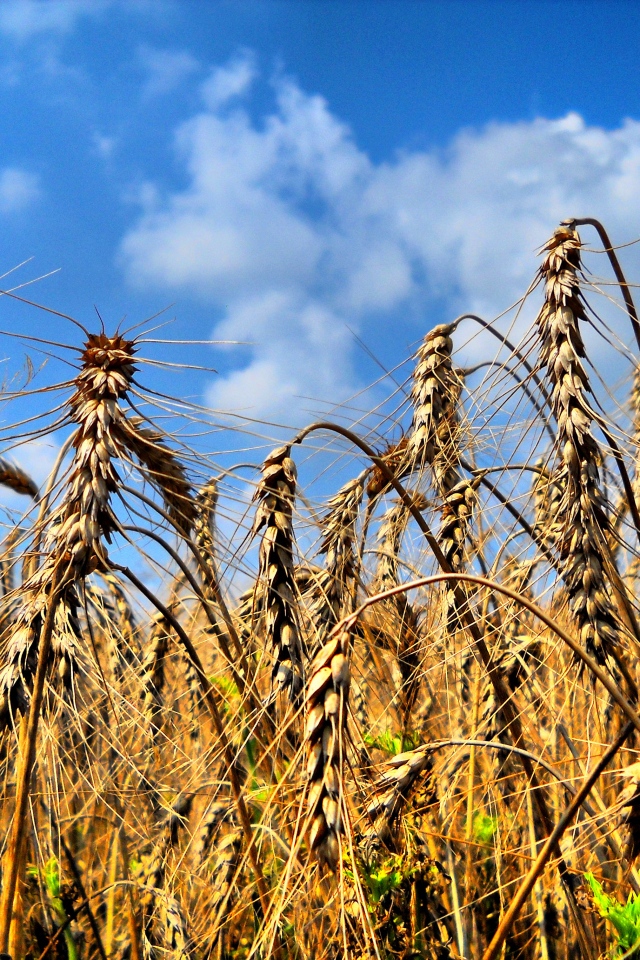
x: 285, y: 173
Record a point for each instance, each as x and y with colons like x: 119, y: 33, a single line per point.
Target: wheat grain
x: 153, y: 676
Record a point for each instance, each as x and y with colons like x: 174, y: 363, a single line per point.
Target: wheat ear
x: 435, y: 392
x: 326, y: 597
x: 16, y: 479
x: 174, y: 927
x: 153, y: 676
x: 84, y: 518
x: 79, y: 526
x: 274, y: 517
x: 581, y: 516
x: 458, y: 503
x: 326, y: 700
x: 392, y: 787
x: 404, y: 623
x: 164, y: 470
x: 204, y: 523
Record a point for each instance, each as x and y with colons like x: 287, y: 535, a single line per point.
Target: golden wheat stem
x: 132, y: 919
x: 538, y: 890
x: 210, y: 695
x: 617, y: 269
x: 111, y: 896
x: 26, y: 762
x: 461, y: 932
x: 471, y: 779
x: 16, y: 923
x: 549, y: 846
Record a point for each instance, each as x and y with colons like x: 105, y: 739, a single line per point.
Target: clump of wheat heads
x: 428, y: 784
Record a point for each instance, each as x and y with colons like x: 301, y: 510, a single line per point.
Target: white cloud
x: 229, y: 81
x: 165, y: 69
x: 291, y: 228
x: 22, y: 19
x: 18, y: 188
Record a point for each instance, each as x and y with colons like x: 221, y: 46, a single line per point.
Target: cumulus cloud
x: 290, y: 227
x: 165, y: 69
x: 229, y: 81
x: 18, y: 189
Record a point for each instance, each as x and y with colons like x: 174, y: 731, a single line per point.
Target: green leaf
x: 623, y: 917
x: 484, y: 828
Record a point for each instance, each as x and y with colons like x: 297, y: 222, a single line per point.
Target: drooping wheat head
x: 392, y: 787
x: 14, y: 477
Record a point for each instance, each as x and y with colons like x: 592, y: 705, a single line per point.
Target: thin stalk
x: 551, y: 843
x: 210, y: 698
x: 509, y: 714
x: 617, y: 269
x: 461, y: 932
x: 81, y: 890
x: 471, y: 780
x: 26, y: 762
x: 539, y: 889
x: 111, y: 897
x: 136, y: 952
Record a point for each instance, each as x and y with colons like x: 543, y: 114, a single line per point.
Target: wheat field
x: 248, y: 714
